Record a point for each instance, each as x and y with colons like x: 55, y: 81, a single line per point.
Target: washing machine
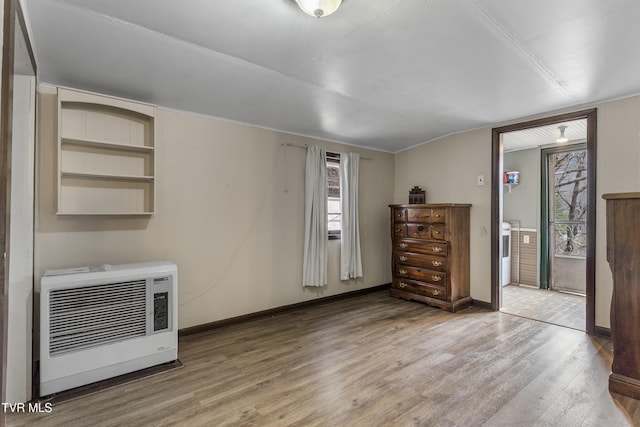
x: 506, y: 253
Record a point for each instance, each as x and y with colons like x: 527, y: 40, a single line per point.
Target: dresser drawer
x: 437, y: 264
x: 419, y: 231
x: 424, y: 248
x: 439, y: 232
x: 426, y: 216
x: 425, y: 289
x: 399, y: 214
x: 423, y: 275
x: 408, y: 258
x: 418, y: 215
x: 418, y: 260
x: 424, y: 231
x: 438, y: 216
x: 399, y: 230
x: 430, y: 263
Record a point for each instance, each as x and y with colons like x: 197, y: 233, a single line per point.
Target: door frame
x: 13, y: 21
x: 6, y: 117
x: 496, y: 208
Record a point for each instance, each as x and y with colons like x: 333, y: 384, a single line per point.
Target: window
x: 568, y: 201
x: 334, y: 213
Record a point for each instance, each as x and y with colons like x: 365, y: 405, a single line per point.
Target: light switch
x: 480, y: 179
x: 525, y: 239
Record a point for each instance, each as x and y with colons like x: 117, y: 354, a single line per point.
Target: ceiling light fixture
x: 562, y: 138
x: 319, y: 8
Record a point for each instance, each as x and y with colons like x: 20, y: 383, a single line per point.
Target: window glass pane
x: 333, y: 178
x: 333, y: 200
x: 569, y: 202
x: 333, y: 209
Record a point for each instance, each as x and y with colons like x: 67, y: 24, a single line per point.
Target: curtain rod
x: 289, y: 144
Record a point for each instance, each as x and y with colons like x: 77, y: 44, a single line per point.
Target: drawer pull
x: 402, y: 271
x: 435, y: 292
x: 437, y: 249
x: 436, y: 278
x: 402, y: 258
x: 403, y: 245
x: 436, y: 232
x: 436, y: 263
x: 402, y: 285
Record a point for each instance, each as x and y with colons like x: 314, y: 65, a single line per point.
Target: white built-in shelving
x: 106, y: 155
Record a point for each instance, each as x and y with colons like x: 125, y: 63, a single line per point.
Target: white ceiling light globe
x: 319, y: 8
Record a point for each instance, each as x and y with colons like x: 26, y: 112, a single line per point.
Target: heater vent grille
x: 91, y: 316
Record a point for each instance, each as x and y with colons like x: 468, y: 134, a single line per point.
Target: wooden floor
x: 369, y: 361
x: 546, y: 306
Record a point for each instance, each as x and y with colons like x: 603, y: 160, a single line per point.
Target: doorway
x: 570, y: 229
x: 545, y: 212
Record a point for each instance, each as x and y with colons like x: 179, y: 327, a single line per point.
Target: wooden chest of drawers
x: 623, y: 252
x: 430, y: 258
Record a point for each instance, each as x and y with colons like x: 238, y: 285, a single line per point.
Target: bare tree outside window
x: 333, y: 199
x: 570, y: 202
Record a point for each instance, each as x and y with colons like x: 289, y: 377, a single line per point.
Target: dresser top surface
x: 614, y: 196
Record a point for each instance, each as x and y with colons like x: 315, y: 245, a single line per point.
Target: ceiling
x: 545, y: 136
x: 384, y: 74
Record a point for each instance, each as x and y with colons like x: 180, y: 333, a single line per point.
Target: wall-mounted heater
x: 98, y: 323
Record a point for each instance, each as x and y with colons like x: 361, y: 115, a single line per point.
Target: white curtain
x: 314, y: 269
x: 350, y: 255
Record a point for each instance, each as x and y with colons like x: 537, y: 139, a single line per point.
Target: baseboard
x: 624, y: 385
x: 482, y: 304
x: 207, y: 327
x: 602, y: 331
x: 84, y: 390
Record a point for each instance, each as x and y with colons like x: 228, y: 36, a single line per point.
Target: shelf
x: 75, y: 96
x: 107, y: 177
x: 106, y: 155
x: 107, y: 145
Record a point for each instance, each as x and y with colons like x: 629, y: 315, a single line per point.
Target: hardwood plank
x: 371, y: 360
x: 547, y: 306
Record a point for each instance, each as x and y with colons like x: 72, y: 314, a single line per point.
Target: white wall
x: 447, y: 169
x: 522, y: 203
x: 230, y: 206
x: 618, y: 171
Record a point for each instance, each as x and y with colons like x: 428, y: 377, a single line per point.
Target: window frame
x: 333, y: 158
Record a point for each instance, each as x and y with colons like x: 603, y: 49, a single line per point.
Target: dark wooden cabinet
x: 623, y: 255
x: 430, y: 259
